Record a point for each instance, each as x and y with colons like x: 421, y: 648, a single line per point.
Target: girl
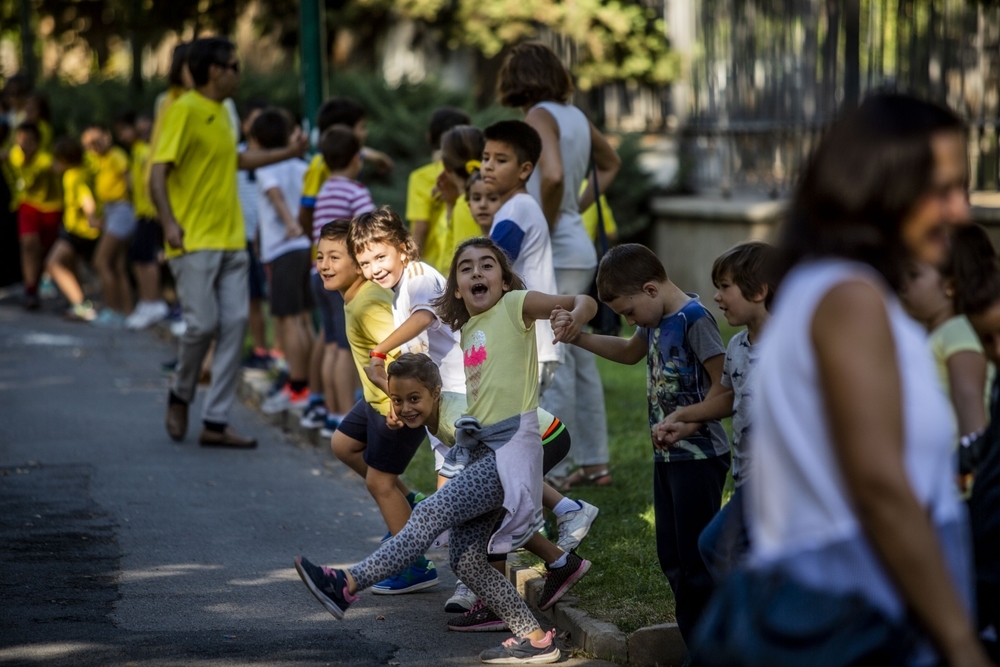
x: 484, y: 204
x: 495, y: 467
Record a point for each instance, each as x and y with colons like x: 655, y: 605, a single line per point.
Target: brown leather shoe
x: 228, y: 438
x: 177, y: 420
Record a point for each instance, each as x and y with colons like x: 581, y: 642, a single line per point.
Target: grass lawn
x: 625, y: 586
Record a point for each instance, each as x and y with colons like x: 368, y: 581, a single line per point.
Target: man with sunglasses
x: 193, y: 184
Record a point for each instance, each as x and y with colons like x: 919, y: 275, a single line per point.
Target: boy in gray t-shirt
x: 742, y: 277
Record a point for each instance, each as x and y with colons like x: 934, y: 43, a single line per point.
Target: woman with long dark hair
x: 853, y: 499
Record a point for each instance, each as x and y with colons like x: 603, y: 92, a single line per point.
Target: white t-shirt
x: 287, y: 177
x: 519, y: 228
x: 419, y: 285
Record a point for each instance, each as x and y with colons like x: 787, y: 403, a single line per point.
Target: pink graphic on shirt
x: 474, y: 357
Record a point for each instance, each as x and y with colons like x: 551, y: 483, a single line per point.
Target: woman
x: 534, y: 80
x: 854, y: 491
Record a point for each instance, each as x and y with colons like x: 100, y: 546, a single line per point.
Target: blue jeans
x: 725, y: 541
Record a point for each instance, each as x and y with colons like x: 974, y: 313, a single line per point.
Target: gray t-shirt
x: 741, y: 359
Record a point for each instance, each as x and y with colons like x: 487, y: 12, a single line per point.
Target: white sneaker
x: 462, y: 601
x: 178, y: 328
x: 146, y: 314
x: 574, y: 526
x: 277, y: 402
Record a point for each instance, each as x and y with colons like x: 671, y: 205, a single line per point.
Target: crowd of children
x: 447, y: 332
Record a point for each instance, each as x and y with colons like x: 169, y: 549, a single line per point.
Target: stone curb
x: 653, y: 646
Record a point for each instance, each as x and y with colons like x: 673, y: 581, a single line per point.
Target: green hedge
x: 397, y: 125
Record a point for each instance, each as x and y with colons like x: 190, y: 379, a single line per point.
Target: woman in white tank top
x: 854, y: 491
x: 534, y: 80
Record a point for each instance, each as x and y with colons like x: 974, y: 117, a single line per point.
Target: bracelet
x: 372, y: 354
x: 969, y: 438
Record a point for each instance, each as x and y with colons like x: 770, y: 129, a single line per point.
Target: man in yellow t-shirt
x: 110, y: 166
x: 426, y: 209
x: 193, y: 184
x: 38, y: 193
x: 81, y: 226
x: 147, y: 240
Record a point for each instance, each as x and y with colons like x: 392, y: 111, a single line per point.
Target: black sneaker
x: 560, y: 580
x: 478, y: 619
x: 516, y: 651
x: 328, y: 585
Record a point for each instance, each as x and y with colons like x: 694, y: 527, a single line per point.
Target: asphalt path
x: 121, y: 547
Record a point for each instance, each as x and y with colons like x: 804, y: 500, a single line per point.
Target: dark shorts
x: 331, y: 311
x: 258, y: 279
x: 147, y: 242
x: 84, y: 248
x: 46, y: 224
x: 555, y: 447
x: 387, y: 451
x: 289, y: 287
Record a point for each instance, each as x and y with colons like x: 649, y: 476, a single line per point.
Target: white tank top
x: 571, y: 245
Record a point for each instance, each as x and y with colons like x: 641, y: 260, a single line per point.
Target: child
x: 80, y: 230
x: 286, y: 250
x: 383, y: 250
x: 111, y: 179
x: 743, y: 279
x: 336, y: 111
x: 148, y: 238
x: 510, y: 153
x: 495, y: 467
x: 963, y: 371
x: 340, y: 197
x: 684, y: 359
x: 363, y: 439
x: 483, y: 203
x: 427, y: 204
x: 38, y: 192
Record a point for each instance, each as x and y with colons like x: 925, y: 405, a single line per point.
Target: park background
x: 713, y: 105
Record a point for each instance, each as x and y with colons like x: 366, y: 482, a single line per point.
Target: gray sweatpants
x: 469, y: 506
x: 213, y: 288
x: 575, y: 395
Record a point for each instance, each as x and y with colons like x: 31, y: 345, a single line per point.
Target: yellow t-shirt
x: 369, y: 322
x: 140, y: 193
x: 954, y: 336
x: 163, y: 102
x: 35, y: 183
x: 110, y: 174
x: 198, y: 140
x: 78, y: 185
x: 463, y: 226
x: 314, y: 178
x: 501, y: 361
x: 421, y: 204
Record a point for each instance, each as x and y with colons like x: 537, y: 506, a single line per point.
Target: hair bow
x: 473, y: 165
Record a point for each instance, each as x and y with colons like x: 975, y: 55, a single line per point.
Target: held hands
x: 670, y: 431
x: 566, y: 325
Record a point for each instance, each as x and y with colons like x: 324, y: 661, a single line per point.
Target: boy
x: 684, y: 358
x: 426, y: 211
x: 509, y: 157
x: 363, y: 439
x: 743, y: 280
x: 111, y: 180
x: 80, y: 230
x: 39, y: 212
x: 341, y: 197
x: 148, y: 238
x: 336, y: 111
x: 285, y: 248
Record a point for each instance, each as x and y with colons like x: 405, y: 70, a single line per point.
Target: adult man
x: 193, y: 184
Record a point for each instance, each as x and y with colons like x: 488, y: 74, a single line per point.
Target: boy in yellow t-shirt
x: 38, y: 194
x: 147, y: 241
x: 110, y: 165
x: 426, y: 208
x: 81, y: 226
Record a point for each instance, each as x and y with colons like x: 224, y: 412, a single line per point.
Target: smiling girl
x: 495, y: 466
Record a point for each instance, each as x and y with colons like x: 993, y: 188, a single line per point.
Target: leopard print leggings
x: 469, y: 506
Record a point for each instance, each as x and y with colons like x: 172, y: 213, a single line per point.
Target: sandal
x: 580, y: 477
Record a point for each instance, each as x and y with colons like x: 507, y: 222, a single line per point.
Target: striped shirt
x: 340, y: 198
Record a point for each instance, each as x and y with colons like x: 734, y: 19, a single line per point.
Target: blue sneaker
x: 328, y: 585
x: 412, y: 579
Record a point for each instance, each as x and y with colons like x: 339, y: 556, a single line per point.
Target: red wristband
x: 372, y: 354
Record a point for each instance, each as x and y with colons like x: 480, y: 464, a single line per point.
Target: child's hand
x: 298, y: 142
x: 566, y: 325
x: 391, y: 420
x: 293, y: 230
x: 447, y: 191
x: 669, y: 432
x: 375, y: 370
